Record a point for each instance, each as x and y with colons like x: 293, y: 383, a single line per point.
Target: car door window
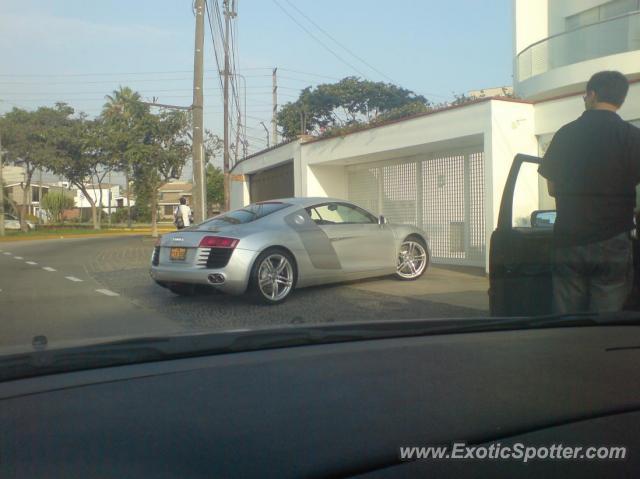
x: 339, y: 213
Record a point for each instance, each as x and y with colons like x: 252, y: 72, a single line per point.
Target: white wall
x: 573, y: 78
x: 403, y: 138
x: 536, y: 20
x: 530, y: 22
x: 82, y: 202
x: 326, y: 181
x: 510, y: 131
x: 551, y: 115
x: 239, y: 192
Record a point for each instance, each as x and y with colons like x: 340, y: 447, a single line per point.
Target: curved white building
x: 559, y: 43
x: 445, y: 170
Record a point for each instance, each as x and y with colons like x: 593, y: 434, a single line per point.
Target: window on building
x: 168, y: 210
x: 35, y: 193
x: 600, y: 13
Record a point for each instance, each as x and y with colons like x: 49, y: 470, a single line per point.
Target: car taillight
x: 218, y: 242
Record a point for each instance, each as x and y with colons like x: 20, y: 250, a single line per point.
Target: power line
x: 308, y: 73
x: 338, y: 43
x: 213, y: 42
x: 317, y: 39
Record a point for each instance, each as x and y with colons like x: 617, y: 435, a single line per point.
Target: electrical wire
x: 328, y: 35
x: 320, y: 42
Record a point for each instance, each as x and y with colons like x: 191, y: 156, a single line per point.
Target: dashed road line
x: 73, y: 278
x: 48, y: 268
x: 18, y: 257
x: 7, y: 253
x: 32, y: 263
x: 107, y: 292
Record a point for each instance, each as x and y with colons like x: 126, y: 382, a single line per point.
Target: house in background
x: 169, y: 197
x: 103, y: 195
x: 445, y: 170
x: 12, y: 174
x: 35, y: 192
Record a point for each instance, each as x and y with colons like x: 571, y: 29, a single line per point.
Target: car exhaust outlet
x: 216, y: 278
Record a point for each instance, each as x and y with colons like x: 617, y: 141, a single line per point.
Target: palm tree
x: 121, y: 113
x: 123, y: 102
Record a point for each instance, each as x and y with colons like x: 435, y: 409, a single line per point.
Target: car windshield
x: 195, y: 167
x: 244, y: 215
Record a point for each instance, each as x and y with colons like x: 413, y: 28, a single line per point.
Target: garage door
x: 276, y: 182
x: 441, y: 193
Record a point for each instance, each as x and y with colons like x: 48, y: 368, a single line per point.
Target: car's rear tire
x: 273, y: 276
x: 413, y: 259
x: 182, y: 289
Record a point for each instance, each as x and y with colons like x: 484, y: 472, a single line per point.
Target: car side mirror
x: 382, y: 220
x: 543, y: 219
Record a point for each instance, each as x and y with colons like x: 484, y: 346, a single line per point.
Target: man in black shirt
x: 592, y: 167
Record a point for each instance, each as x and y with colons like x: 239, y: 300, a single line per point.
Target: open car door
x: 520, y: 257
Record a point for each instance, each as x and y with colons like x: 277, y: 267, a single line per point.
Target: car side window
x: 339, y: 213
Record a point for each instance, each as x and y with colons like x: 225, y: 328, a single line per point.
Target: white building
x: 445, y: 170
x: 102, y: 195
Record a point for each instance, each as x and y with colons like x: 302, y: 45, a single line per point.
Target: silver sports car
x: 267, y: 249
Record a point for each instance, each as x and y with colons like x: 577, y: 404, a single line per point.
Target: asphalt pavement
x: 68, y: 289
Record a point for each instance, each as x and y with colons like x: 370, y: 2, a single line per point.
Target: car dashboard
x: 334, y: 410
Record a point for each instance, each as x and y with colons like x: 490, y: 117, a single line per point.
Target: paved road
x: 90, y: 288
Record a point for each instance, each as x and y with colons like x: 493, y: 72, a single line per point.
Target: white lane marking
x: 73, y: 278
x: 48, y: 268
x: 7, y: 253
x: 107, y: 292
x: 18, y: 257
x: 32, y: 263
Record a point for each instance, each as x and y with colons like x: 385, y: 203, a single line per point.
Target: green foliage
x: 28, y: 137
x: 139, y: 214
x: 347, y: 102
x: 55, y: 203
x: 215, y: 185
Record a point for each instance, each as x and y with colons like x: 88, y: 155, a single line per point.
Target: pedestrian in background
x: 182, y: 215
x: 592, y: 168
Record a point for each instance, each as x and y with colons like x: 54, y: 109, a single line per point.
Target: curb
x: 8, y: 239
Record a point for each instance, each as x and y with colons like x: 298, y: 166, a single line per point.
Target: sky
x: 78, y: 51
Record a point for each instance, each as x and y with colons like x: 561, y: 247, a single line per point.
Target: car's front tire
x: 413, y: 259
x: 273, y: 276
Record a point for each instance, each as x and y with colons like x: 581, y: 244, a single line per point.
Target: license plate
x: 178, y: 254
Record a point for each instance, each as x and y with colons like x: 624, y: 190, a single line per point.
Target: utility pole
x: 229, y: 13
x: 238, y: 126
x: 274, y: 113
x: 126, y: 179
x: 40, y: 195
x: 198, y: 117
x: 266, y: 131
x: 1, y: 191
x: 109, y: 180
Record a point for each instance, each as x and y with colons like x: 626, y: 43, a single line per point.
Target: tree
x: 347, y: 102
x: 83, y: 158
x: 215, y: 185
x: 160, y: 157
x: 28, y: 137
x: 56, y: 203
x: 123, y: 113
